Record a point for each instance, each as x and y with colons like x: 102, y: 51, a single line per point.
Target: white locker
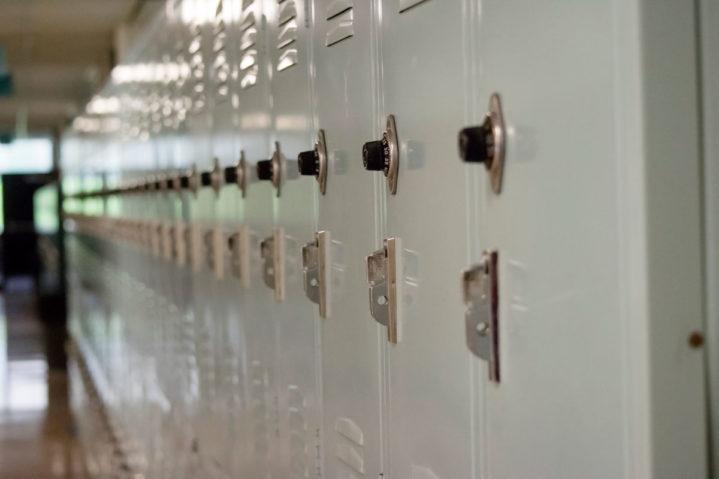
x: 253, y: 92
x: 421, y: 82
x: 351, y: 340
x: 593, y: 319
x: 299, y: 349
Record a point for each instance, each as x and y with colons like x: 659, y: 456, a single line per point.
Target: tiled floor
x: 36, y: 437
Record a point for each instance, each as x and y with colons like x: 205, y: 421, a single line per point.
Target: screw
x: 696, y: 340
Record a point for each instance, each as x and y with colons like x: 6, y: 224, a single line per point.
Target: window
x: 26, y: 155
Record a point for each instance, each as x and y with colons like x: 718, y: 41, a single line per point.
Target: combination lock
x: 383, y: 155
x: 486, y: 143
x: 314, y: 162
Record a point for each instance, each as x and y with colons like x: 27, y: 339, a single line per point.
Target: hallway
x: 36, y: 432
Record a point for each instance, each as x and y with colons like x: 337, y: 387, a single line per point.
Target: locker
x: 294, y: 216
x: 560, y: 321
x: 422, y: 77
x: 351, y: 340
x: 253, y: 91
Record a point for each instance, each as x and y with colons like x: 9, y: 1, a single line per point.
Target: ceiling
x: 59, y: 53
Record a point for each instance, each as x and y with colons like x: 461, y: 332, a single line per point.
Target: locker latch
x: 382, y: 269
x: 193, y: 246
x: 167, y: 238
x: 179, y: 245
x: 238, y: 243
x: 214, y: 251
x: 314, y: 269
x: 272, y: 251
x: 481, y: 295
x: 156, y: 238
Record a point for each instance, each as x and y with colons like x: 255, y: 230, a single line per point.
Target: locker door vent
x: 249, y: 68
x: 198, y: 94
x: 287, y: 36
x: 220, y: 67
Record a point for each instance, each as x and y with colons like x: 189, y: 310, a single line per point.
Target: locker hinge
x: 314, y: 270
x: 481, y: 295
x: 272, y: 251
x: 382, y: 269
x: 239, y: 245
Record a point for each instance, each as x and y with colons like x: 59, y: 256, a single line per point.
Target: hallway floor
x: 36, y: 433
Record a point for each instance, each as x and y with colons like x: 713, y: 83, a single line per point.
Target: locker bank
x: 436, y: 239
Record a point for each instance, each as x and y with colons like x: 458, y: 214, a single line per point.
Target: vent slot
x: 341, y: 27
x: 287, y: 59
x: 405, y: 5
x: 249, y: 77
x: 249, y: 59
x: 248, y: 20
x: 248, y: 38
x: 288, y: 11
x: 337, y: 7
x: 287, y: 35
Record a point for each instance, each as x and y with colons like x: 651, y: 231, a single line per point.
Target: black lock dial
x: 476, y: 143
x: 230, y: 175
x: 376, y: 155
x: 308, y: 163
x: 264, y: 170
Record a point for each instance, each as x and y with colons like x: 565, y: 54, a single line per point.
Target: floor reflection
x: 36, y: 435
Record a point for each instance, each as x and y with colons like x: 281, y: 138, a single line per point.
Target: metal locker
x: 294, y: 200
x: 209, y: 443
x: 422, y: 84
x: 184, y: 246
x: 588, y: 330
x: 254, y: 112
x: 351, y: 340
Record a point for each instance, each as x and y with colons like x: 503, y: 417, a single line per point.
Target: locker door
x: 201, y: 217
x: 295, y: 213
x: 182, y: 160
x: 229, y: 301
x: 429, y: 367
x: 590, y: 332
x: 351, y: 367
x: 260, y: 322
